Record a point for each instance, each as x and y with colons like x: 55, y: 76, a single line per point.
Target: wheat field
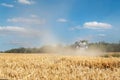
x: 58, y: 67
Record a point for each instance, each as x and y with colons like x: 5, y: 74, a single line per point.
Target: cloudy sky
x: 32, y: 23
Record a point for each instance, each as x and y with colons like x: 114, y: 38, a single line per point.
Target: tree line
x: 103, y: 46
x: 106, y: 47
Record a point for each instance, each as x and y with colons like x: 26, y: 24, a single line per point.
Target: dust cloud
x: 66, y: 51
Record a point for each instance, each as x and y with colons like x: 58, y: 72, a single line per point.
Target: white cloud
x: 28, y: 2
x: 101, y: 35
x: 27, y: 20
x: 20, y: 43
x: 23, y: 31
x: 97, y: 25
x: 12, y: 28
x: 33, y: 16
x: 61, y: 20
x: 76, y: 28
x: 7, y: 5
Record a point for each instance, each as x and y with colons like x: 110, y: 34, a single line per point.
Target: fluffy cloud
x: 7, y: 5
x: 28, y: 2
x: 61, y: 20
x: 27, y: 20
x: 97, y: 25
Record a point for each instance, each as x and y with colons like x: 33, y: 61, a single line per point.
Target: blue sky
x: 32, y: 23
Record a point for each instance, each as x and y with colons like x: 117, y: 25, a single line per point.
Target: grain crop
x: 58, y: 67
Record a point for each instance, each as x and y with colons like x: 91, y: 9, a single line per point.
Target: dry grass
x: 55, y: 67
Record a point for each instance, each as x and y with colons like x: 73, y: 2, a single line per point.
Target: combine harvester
x: 81, y: 45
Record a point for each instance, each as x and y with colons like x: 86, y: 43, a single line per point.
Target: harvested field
x: 57, y: 67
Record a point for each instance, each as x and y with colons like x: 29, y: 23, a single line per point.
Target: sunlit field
x: 58, y: 67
